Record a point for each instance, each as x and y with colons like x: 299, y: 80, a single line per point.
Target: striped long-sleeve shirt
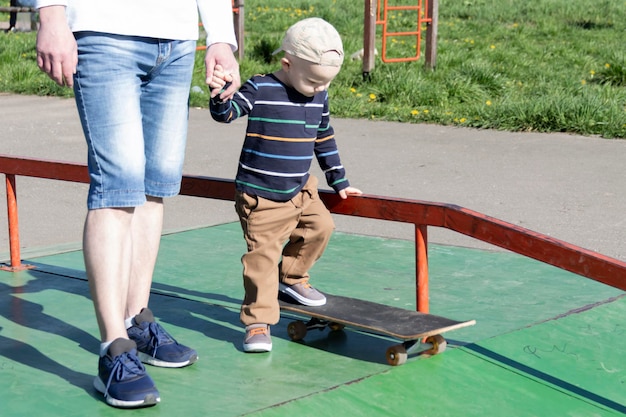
x: 286, y: 130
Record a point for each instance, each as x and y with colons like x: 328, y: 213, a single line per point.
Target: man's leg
x: 147, y: 225
x: 122, y: 229
x: 164, y: 108
x: 120, y: 248
x: 107, y: 248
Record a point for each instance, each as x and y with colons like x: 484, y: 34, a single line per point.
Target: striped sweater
x: 285, y: 131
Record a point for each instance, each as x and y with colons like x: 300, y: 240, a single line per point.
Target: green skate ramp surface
x: 546, y: 343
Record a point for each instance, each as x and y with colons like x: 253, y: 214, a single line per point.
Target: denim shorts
x: 132, y: 95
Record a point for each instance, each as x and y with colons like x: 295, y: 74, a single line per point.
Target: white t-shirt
x: 164, y: 19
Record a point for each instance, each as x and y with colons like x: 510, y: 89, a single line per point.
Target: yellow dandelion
x: 492, y: 46
x: 488, y: 102
x: 583, y: 82
x: 607, y: 65
x: 352, y: 90
x: 415, y: 112
x: 372, y: 96
x: 463, y: 120
x: 359, y: 94
x: 592, y: 73
x: 426, y: 111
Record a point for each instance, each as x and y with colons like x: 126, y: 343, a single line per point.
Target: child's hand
x: 219, y: 80
x: 348, y: 191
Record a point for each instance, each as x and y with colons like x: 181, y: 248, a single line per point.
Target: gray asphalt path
x: 565, y: 186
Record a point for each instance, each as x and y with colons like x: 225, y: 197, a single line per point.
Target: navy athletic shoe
x: 155, y: 346
x: 123, y: 379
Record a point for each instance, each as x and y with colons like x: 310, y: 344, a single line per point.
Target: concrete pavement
x: 566, y: 186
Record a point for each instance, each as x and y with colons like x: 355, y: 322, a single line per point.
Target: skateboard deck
x: 412, y: 327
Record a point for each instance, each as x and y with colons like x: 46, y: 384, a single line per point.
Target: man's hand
x: 57, y: 53
x: 220, y: 57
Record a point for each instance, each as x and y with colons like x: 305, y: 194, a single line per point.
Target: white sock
x: 129, y: 322
x: 104, y: 347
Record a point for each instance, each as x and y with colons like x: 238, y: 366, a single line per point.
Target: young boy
x: 277, y: 199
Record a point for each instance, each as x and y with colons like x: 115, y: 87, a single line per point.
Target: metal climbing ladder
x: 388, y: 12
x: 381, y: 12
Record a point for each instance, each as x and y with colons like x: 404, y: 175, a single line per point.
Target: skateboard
x: 414, y: 329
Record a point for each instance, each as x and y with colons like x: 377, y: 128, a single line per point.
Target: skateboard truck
x: 396, y: 355
x: 297, y: 330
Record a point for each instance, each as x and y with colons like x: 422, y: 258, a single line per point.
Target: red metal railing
x: 421, y: 214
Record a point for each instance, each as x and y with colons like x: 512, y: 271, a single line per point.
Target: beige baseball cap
x: 314, y: 40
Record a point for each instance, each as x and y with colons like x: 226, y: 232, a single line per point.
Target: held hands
x: 222, y: 68
x: 220, y: 79
x: 348, y: 191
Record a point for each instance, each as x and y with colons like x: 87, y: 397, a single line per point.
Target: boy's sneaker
x: 122, y: 377
x: 257, y: 339
x: 304, y: 293
x: 156, y: 347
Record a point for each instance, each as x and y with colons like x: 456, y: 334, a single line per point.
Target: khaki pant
x: 303, y: 222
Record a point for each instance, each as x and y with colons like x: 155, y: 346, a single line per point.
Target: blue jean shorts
x: 132, y: 95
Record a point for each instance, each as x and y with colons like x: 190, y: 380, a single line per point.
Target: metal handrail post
x: 421, y: 268
x: 14, y: 233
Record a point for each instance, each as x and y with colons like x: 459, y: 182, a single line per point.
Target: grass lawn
x: 546, y: 66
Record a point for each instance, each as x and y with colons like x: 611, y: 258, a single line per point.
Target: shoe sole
x: 304, y: 301
x: 257, y: 348
x: 148, y: 401
x: 145, y: 358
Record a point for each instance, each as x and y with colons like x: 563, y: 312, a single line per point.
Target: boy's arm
x: 328, y: 157
x: 330, y: 162
x: 225, y: 110
x: 222, y: 110
x: 327, y: 154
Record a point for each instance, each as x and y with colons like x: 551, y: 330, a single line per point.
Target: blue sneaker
x: 155, y: 346
x: 122, y: 377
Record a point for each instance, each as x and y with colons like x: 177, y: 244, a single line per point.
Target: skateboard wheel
x: 296, y: 330
x: 438, y: 342
x: 335, y: 327
x: 396, y: 355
